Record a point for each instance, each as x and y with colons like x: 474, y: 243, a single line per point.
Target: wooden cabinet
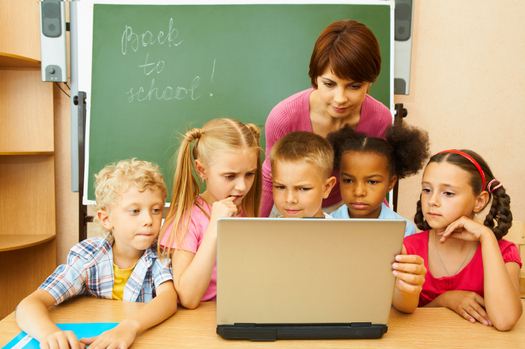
x: 27, y: 160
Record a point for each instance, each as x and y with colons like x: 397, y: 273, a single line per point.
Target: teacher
x: 346, y: 60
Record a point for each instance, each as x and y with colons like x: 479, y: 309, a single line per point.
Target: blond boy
x: 302, y: 164
x: 130, y: 196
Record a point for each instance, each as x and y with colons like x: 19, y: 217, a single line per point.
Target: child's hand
x: 468, y: 304
x: 409, y: 271
x: 465, y: 229
x: 120, y: 337
x: 223, y: 208
x: 61, y: 340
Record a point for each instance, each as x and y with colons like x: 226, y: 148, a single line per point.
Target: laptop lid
x: 306, y: 271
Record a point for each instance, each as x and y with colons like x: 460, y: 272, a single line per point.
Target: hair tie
x: 193, y: 134
x: 471, y: 159
x: 491, y: 190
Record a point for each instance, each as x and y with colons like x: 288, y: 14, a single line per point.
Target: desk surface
x: 426, y: 328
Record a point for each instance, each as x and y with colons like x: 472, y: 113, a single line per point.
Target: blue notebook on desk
x: 305, y: 278
x: 81, y: 330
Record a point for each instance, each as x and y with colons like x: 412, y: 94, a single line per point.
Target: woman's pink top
x: 293, y: 114
x: 470, y: 278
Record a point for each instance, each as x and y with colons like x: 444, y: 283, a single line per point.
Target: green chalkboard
x: 158, y: 70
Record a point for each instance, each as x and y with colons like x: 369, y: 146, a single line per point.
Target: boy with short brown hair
x: 302, y: 164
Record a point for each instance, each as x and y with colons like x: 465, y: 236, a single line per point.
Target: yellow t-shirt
x: 120, y: 279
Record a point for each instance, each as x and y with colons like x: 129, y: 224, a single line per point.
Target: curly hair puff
x: 405, y: 147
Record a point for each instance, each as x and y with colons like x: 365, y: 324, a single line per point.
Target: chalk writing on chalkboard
x: 134, y: 41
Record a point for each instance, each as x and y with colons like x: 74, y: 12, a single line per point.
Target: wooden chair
x: 516, y: 234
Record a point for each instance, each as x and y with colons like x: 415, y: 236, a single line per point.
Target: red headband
x: 471, y: 159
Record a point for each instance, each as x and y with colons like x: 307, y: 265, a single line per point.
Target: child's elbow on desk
x: 505, y: 322
x: 191, y: 303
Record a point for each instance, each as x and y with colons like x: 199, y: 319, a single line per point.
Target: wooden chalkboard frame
x: 85, y: 59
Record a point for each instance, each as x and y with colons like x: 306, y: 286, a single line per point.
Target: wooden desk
x: 427, y: 328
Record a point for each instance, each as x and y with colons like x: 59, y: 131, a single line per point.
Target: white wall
x: 468, y: 88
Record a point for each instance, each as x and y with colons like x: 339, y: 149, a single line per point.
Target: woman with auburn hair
x: 345, y: 62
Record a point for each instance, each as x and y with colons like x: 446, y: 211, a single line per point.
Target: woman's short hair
x: 349, y: 49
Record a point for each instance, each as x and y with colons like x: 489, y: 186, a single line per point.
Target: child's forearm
x: 501, y: 285
x: 438, y: 301
x: 32, y: 315
x: 157, y: 310
x: 123, y: 335
x: 192, y: 277
x: 404, y: 301
x: 195, y: 279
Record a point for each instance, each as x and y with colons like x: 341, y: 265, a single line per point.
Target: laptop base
x: 272, y: 332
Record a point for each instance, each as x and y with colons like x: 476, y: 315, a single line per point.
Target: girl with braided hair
x: 225, y: 155
x: 471, y: 268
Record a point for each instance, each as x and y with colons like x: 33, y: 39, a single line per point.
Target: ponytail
x: 184, y: 195
x: 419, y: 218
x: 499, y: 211
x: 215, y: 137
x: 255, y: 131
x: 251, y: 205
x: 410, y: 148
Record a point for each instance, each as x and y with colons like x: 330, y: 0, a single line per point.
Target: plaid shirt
x: 89, y: 271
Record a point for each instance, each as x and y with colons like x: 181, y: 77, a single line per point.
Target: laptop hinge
x: 272, y: 332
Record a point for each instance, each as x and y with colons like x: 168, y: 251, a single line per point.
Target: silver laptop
x: 305, y: 278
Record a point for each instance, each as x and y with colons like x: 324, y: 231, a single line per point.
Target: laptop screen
x: 286, y: 271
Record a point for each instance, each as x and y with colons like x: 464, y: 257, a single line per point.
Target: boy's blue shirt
x: 89, y: 271
x: 386, y: 213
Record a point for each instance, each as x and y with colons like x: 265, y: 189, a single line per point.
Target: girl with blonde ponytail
x: 224, y: 154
